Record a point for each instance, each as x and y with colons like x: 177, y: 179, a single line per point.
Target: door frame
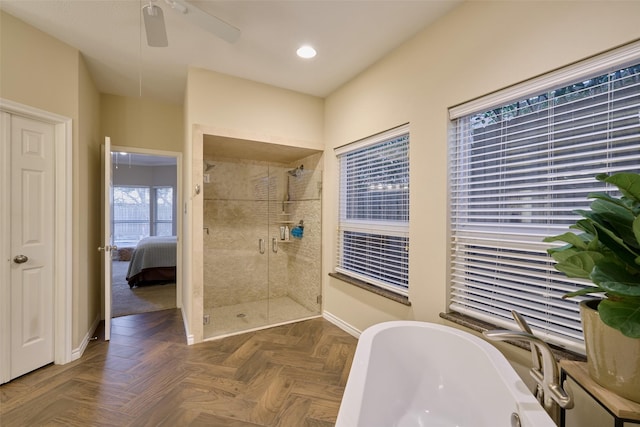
x: 178, y: 156
x: 62, y: 264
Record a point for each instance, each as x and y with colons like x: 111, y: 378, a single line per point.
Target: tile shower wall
x: 303, y: 255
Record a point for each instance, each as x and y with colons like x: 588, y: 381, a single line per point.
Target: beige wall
x: 86, y: 183
x: 142, y: 123
x: 248, y: 110
x: 223, y: 105
x: 40, y: 71
x: 37, y: 70
x: 478, y: 48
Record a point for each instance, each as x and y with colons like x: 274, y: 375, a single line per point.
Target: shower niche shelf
x: 285, y: 221
x: 284, y: 218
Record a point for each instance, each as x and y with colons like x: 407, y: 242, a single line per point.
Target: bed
x: 153, y: 261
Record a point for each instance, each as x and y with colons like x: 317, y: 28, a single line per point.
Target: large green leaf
x: 580, y: 264
x: 584, y: 225
x: 614, y: 243
x: 562, y: 253
x: 615, y: 279
x: 617, y: 219
x: 627, y: 182
x: 617, y: 216
x: 622, y: 202
x: 568, y: 237
x: 622, y: 315
x: 610, y: 208
x: 636, y: 230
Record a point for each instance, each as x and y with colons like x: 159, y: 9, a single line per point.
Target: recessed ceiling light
x: 306, y: 52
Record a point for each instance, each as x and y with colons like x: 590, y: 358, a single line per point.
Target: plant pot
x: 613, y: 359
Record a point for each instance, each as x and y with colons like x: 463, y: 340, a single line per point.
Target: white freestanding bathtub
x: 409, y: 373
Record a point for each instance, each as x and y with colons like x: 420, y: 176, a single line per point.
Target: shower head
x: 208, y: 166
x: 296, y: 171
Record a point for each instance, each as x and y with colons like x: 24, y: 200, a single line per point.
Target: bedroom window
x: 162, y: 212
x: 521, y: 161
x: 131, y: 214
x: 140, y: 211
x: 373, y: 223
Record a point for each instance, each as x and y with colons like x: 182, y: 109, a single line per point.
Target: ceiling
x: 349, y: 35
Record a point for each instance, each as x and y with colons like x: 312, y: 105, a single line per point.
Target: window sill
x: 480, y: 326
x: 372, y: 288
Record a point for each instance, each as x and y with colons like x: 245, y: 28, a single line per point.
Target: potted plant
x: 606, y: 251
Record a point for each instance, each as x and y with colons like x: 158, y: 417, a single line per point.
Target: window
x: 141, y: 212
x: 162, y: 212
x: 521, y: 161
x: 373, y: 224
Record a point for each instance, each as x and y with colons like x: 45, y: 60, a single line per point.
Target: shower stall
x: 261, y: 243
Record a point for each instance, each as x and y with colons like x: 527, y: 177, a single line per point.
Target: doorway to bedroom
x: 144, y: 226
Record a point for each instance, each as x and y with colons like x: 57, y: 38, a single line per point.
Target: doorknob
x: 20, y: 259
x: 107, y: 248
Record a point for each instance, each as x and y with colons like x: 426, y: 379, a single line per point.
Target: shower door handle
x: 261, y: 245
x: 274, y: 245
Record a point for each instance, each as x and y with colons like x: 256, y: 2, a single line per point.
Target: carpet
x: 143, y: 299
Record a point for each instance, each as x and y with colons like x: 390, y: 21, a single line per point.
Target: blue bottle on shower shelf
x: 297, y: 232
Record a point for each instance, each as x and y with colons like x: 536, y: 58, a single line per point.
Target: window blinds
x: 373, y: 226
x: 517, y: 173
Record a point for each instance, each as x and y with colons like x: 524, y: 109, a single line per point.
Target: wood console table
x: 622, y: 410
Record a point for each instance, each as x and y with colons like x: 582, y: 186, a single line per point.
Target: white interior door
x: 107, y: 196
x: 32, y: 222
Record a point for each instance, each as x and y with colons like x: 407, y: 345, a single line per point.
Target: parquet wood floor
x: 289, y: 376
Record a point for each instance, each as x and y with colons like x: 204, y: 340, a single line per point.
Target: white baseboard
x: 190, y: 338
x: 341, y: 324
x: 77, y: 353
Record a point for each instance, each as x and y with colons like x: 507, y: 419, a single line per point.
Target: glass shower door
x: 237, y: 247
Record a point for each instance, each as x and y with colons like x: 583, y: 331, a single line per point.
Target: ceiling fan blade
x: 154, y: 26
x: 208, y: 22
